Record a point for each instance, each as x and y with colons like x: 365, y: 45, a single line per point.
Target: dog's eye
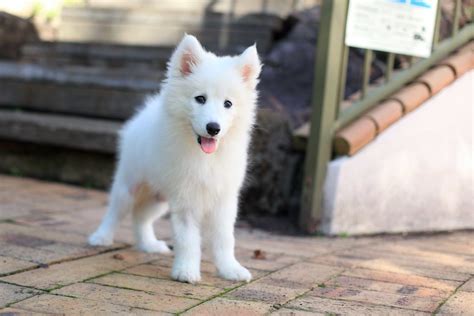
x: 200, y: 99
x: 227, y: 104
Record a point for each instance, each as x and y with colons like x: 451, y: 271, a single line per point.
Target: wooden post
x: 325, y: 103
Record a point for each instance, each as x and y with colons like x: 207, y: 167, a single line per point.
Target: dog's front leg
x: 222, y: 221
x: 187, y: 248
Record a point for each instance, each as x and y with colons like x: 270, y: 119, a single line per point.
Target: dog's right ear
x: 186, y: 57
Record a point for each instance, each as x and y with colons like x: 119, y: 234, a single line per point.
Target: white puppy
x: 187, y: 150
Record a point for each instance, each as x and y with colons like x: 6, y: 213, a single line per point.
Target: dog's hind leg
x: 143, y: 219
x: 121, y: 202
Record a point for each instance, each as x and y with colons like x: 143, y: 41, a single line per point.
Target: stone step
x: 104, y: 77
x: 85, y: 91
x: 156, y: 4
x: 157, y: 28
x: 278, y: 7
x: 93, y: 134
x: 168, y: 18
x: 102, y: 55
x: 235, y: 40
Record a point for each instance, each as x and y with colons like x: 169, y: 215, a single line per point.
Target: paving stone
x: 15, y: 311
x: 207, y: 278
x: 295, y: 312
x: 29, y: 254
x: 37, y: 238
x: 406, y: 279
x: 10, y: 265
x: 12, y: 209
x: 386, y: 287
x: 430, y: 271
x: 376, y: 260
x: 468, y: 286
x: 132, y: 298
x: 442, y: 259
x: 463, y: 237
x: 221, y: 306
x: 285, y: 284
x: 328, y: 306
x: 267, y: 293
x: 293, y: 246
x: 78, y: 270
x: 461, y: 303
x: 305, y: 274
x: 16, y: 182
x: 158, y: 286
x: 386, y: 275
x: 425, y: 304
x: 271, y: 262
x: 86, y: 221
x: 82, y: 223
x: 51, y: 304
x: 12, y: 293
x: 167, y: 262
x: 442, y: 245
x: 38, y: 195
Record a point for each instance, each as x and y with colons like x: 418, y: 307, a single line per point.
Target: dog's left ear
x: 250, y: 66
x: 186, y: 57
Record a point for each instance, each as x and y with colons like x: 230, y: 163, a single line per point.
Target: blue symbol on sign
x: 416, y: 3
x: 421, y: 3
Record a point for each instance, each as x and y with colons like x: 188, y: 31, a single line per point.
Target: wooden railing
x: 328, y: 91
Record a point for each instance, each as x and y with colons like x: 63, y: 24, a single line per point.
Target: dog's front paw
x: 186, y: 273
x: 235, y: 272
x: 100, y: 239
x: 154, y: 246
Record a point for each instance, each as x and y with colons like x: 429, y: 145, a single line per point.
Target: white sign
x: 397, y: 26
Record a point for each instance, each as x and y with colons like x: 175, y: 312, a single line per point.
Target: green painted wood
x: 457, y: 16
x: 437, y: 26
x: 444, y: 49
x: 390, y: 65
x: 330, y: 50
x: 330, y: 71
x: 342, y: 84
x: 368, y: 56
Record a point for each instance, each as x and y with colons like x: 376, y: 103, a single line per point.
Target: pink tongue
x: 208, y: 145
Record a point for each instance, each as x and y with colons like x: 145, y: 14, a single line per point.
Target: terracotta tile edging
x: 461, y: 62
x: 437, y: 78
x: 350, y: 139
x: 386, y: 113
x: 412, y: 96
x: 356, y: 135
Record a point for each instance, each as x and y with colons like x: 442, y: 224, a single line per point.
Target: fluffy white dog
x: 187, y: 150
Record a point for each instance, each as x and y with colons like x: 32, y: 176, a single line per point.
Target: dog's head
x: 215, y: 95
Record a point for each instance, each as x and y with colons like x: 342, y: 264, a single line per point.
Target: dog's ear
x: 250, y: 66
x: 187, y: 55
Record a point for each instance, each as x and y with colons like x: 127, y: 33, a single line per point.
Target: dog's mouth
x: 208, y: 145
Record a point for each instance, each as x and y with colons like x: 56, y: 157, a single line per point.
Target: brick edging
x: 353, y: 137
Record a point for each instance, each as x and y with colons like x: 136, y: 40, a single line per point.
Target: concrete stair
x: 94, y: 54
x: 226, y: 26
x: 98, y: 135
x: 75, y: 90
x: 63, y: 102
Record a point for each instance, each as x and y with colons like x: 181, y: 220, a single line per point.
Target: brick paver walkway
x: 46, y: 267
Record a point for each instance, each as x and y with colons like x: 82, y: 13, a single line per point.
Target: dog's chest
x: 199, y: 176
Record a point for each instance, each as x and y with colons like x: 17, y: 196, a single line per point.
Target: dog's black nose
x: 213, y: 128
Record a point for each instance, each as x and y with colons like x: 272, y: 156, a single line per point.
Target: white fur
x: 159, y: 148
